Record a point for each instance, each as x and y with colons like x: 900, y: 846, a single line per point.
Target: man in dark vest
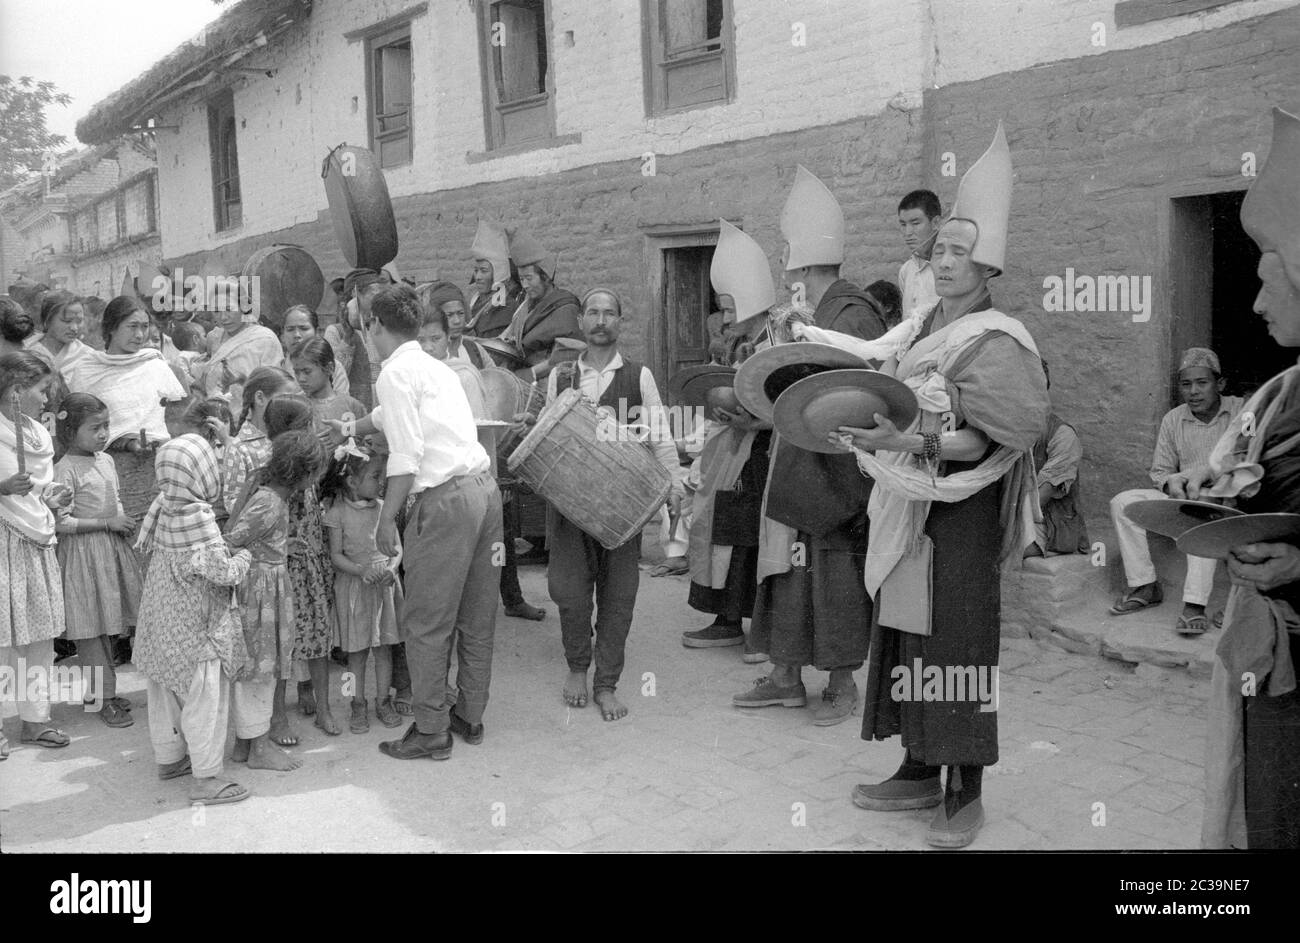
x: 547, y: 312
x: 581, y: 570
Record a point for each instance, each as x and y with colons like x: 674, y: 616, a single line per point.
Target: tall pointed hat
x: 1270, y: 214
x: 740, y: 269
x: 490, y: 243
x: 525, y: 250
x: 984, y: 198
x: 812, y: 223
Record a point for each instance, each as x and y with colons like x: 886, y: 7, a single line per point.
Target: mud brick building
x: 618, y: 133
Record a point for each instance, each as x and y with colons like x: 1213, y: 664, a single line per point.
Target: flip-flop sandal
x: 224, y: 796
x: 1192, y: 625
x: 51, y: 738
x: 663, y: 569
x: 114, y: 716
x: 404, y: 706
x: 387, y: 714
x: 184, y: 769
x: 1130, y: 604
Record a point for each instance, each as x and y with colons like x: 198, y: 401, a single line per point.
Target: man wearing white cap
x: 954, y: 496
x: 1187, y: 434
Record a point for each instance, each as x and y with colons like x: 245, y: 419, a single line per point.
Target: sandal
x: 670, y: 569
x: 403, y: 705
x: 359, y: 722
x: 224, y: 795
x: 1192, y: 625
x: 1132, y: 602
x: 121, y: 702
x: 386, y: 713
x: 176, y: 772
x: 50, y: 737
x: 114, y: 716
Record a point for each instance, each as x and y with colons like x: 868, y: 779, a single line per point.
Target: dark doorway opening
x: 1248, y: 353
x: 1214, y: 286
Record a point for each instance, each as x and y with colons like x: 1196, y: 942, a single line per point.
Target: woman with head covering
x: 236, y: 347
x: 63, y: 321
x: 189, y: 642
x: 133, y: 380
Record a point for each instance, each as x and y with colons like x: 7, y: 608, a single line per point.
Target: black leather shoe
x: 416, y: 746
x: 470, y: 733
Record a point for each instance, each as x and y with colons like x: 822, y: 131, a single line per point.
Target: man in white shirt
x: 919, y: 218
x: 453, y: 528
x: 580, y: 568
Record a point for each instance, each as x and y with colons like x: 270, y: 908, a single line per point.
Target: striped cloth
x: 189, y: 481
x: 1184, y: 441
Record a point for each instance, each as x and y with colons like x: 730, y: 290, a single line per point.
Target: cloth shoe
x: 958, y: 831
x: 714, y: 636
x: 896, y: 795
x: 836, y: 706
x: 766, y: 694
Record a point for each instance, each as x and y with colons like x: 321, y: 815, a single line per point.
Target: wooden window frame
x: 494, y: 134
x: 222, y: 218
x: 373, y: 43
x: 657, y: 65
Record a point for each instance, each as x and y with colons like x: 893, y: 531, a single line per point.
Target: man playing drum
x: 581, y: 570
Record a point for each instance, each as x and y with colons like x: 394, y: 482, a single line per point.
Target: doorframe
x: 657, y: 239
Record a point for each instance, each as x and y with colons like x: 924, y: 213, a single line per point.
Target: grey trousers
x: 583, y: 576
x: 451, y: 591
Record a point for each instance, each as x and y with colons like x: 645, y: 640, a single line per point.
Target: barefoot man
x: 580, y: 566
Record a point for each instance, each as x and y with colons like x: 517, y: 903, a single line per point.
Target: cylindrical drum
x: 607, y: 485
x: 286, y: 276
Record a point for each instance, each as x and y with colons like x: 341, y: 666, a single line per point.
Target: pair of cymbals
x: 808, y: 391
x: 1204, y: 529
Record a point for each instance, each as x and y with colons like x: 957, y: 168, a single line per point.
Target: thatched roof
x: 246, y: 26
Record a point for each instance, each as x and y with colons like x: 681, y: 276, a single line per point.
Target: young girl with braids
x: 101, y: 575
x: 31, y: 592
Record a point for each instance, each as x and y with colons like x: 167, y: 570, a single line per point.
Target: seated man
x: 1187, y: 434
x: 1057, y: 455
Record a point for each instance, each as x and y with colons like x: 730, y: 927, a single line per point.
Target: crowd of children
x: 256, y: 559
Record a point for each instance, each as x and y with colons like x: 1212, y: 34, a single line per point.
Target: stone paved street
x: 684, y: 770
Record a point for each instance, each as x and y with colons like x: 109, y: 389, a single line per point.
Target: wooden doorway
x: 678, y: 261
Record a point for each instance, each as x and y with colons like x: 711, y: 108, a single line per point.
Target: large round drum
x: 360, y: 207
x: 607, y: 486
x: 286, y: 276
x: 508, y: 396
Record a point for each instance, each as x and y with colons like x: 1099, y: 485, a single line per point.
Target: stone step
x: 1065, y: 602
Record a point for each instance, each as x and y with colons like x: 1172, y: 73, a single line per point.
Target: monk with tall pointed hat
x: 952, y: 492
